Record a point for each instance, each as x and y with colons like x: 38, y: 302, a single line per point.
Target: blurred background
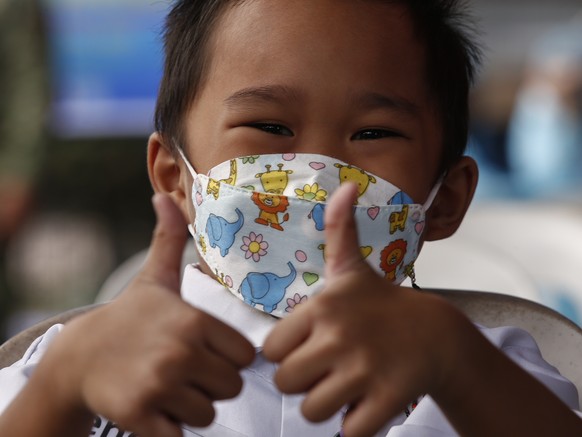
x: 78, y: 81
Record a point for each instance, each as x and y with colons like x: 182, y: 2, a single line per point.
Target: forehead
x: 374, y: 38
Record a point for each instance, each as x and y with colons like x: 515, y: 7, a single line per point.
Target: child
x: 310, y: 91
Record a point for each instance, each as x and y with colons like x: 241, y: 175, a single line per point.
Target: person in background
x: 544, y: 144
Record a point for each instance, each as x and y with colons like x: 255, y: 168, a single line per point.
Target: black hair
x: 445, y: 27
x: 453, y: 55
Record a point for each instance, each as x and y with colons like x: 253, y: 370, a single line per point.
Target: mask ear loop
x: 433, y: 193
x: 412, y: 275
x: 430, y: 199
x: 194, y: 176
x: 190, y: 167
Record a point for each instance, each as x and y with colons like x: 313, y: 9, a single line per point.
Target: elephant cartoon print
x: 317, y: 214
x: 266, y: 289
x: 222, y: 233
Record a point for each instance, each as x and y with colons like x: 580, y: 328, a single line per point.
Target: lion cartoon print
x: 272, y: 202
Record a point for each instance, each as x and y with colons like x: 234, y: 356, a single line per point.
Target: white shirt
x: 261, y: 410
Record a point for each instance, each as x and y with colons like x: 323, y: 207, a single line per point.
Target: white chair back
x: 559, y: 339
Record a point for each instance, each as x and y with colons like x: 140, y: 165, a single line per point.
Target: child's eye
x: 374, y: 134
x: 272, y: 128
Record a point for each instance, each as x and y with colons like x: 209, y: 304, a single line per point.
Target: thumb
x: 164, y: 260
x: 342, y: 251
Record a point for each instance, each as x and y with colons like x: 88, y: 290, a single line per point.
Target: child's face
x: 339, y: 78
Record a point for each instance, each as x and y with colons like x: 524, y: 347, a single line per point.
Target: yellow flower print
x: 311, y: 192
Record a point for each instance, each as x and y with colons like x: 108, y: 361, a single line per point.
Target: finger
x: 218, y: 378
x: 368, y: 416
x: 304, y: 367
x: 190, y: 406
x: 331, y: 395
x: 164, y: 260
x: 155, y: 425
x: 286, y: 336
x: 341, y: 236
x: 229, y: 343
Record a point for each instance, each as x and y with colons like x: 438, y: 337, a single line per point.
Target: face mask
x: 259, y: 225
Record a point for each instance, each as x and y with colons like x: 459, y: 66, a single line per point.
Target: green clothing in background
x: 23, y: 88
x: 23, y: 110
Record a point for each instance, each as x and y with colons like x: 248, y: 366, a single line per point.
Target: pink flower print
x: 254, y: 246
x: 292, y: 303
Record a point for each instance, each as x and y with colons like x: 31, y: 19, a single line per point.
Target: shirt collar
x: 206, y: 294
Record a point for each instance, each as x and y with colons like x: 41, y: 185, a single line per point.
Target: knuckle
x: 161, y: 361
x: 163, y: 234
x: 171, y: 367
x: 336, y: 305
x: 159, y: 233
x: 359, y: 373
x: 324, y: 306
x: 153, y: 389
x: 332, y: 342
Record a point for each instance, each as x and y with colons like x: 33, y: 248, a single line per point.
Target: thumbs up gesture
x: 149, y: 361
x: 363, y: 342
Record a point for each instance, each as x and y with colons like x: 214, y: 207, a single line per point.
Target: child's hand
x: 149, y: 361
x: 362, y: 342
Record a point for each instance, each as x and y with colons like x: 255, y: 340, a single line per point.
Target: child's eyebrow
x: 373, y: 100
x: 247, y: 97
x: 268, y: 93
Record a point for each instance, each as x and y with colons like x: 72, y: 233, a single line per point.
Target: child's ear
x: 453, y: 199
x: 167, y: 175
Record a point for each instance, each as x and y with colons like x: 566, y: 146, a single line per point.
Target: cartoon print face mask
x: 259, y: 225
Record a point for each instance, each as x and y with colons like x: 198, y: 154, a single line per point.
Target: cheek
x: 417, y: 179
x: 240, y: 141
x: 229, y: 142
x: 403, y: 170
x: 203, y: 135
